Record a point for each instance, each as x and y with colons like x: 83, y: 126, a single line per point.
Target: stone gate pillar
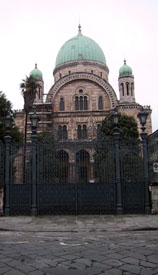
x: 7, y: 175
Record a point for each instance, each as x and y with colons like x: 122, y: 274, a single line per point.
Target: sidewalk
x: 80, y: 223
x: 83, y: 245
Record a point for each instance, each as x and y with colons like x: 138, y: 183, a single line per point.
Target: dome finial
x: 124, y: 61
x: 79, y: 29
x: 35, y: 65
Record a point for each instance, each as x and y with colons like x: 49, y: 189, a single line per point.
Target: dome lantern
x: 126, y: 84
x: 36, y: 74
x: 125, y: 70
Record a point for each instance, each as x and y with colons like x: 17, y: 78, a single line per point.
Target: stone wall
x: 81, y: 66
x: 1, y: 201
x: 154, y: 199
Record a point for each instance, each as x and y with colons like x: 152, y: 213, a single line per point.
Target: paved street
x: 82, y: 245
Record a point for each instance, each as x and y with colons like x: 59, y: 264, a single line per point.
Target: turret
x: 37, y: 75
x: 126, y: 84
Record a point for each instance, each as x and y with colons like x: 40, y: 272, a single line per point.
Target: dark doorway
x: 63, y: 166
x: 83, y: 165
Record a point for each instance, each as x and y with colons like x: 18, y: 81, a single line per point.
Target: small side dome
x: 125, y: 70
x: 36, y: 74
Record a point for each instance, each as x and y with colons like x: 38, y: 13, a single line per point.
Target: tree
x: 129, y: 150
x: 48, y: 162
x: 28, y: 88
x: 5, y: 109
x: 128, y: 128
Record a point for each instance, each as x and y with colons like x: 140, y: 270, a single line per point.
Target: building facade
x: 81, y: 96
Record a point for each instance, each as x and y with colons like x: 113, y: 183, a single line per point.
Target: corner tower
x: 126, y: 84
x: 37, y: 75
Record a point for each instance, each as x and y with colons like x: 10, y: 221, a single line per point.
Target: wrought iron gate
x: 71, y: 182
x: 132, y: 177
x: 74, y: 178
x: 20, y: 178
x: 2, y: 165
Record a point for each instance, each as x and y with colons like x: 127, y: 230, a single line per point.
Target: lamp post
x: 142, y: 118
x: 7, y: 139
x: 8, y: 124
x: 116, y: 135
x: 34, y: 123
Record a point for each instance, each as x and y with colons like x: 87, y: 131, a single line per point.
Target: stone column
x: 72, y: 171
x: 154, y: 198
x: 91, y: 169
x: 7, y: 174
x: 34, y: 168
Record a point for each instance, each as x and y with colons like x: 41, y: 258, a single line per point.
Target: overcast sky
x: 34, y: 30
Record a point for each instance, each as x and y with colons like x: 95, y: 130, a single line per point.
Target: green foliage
x: 5, y: 109
x: 5, y: 106
x: 131, y: 163
x: 28, y: 88
x: 45, y: 137
x: 132, y: 167
x: 47, y: 163
x: 128, y: 128
x: 52, y: 163
x: 16, y: 135
x: 104, y: 162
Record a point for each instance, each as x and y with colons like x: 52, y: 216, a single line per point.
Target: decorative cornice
x: 78, y: 62
x: 86, y: 76
x: 125, y: 77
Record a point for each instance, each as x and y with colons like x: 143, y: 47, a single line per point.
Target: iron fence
x: 153, y: 161
x: 2, y: 165
x: 74, y: 178
x: 132, y: 177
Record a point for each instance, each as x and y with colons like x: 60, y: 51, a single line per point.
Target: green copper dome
x: 80, y: 48
x: 125, y: 70
x: 36, y: 74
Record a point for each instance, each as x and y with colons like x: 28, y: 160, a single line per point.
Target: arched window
x: 122, y: 88
x: 79, y: 132
x: 64, y: 132
x: 39, y: 93
x: 76, y: 103
x: 84, y: 131
x: 62, y: 104
x: 98, y: 128
x: 85, y: 103
x: 132, y: 88
x: 60, y: 132
x: 100, y: 103
x: 81, y: 103
x: 127, y: 88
